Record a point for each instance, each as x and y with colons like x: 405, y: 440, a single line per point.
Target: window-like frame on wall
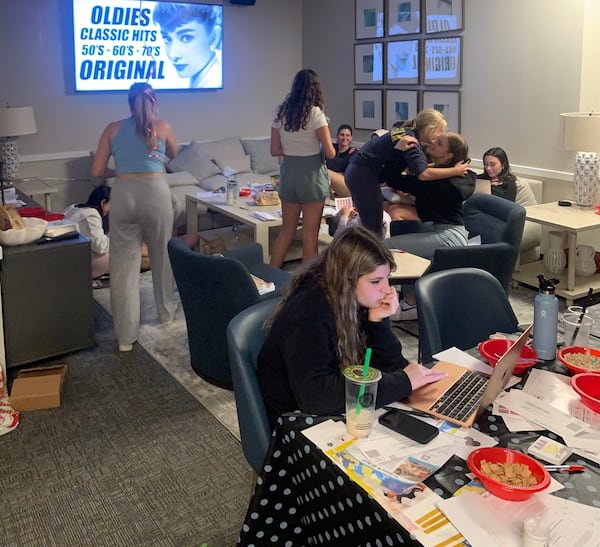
x: 443, y: 61
x: 400, y: 105
x: 367, y: 109
x: 403, y: 17
x: 448, y: 103
x: 402, y: 62
x: 443, y: 15
x: 368, y: 17
x: 368, y: 63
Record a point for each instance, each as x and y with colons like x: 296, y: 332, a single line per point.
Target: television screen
x: 170, y: 45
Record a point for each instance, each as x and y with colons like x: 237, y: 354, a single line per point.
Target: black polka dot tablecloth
x: 302, y: 498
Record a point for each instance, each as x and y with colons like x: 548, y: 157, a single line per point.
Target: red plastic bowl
x: 587, y: 386
x: 52, y: 216
x: 494, y: 348
x: 245, y: 192
x: 574, y: 369
x: 502, y: 455
x: 35, y: 212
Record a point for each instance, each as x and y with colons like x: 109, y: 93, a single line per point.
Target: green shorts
x: 303, y: 179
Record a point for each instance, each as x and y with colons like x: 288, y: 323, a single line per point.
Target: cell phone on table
x: 409, y: 426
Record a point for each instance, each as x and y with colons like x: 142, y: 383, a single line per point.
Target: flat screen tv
x: 170, y: 45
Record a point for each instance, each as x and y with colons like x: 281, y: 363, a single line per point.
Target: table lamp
x: 14, y: 122
x: 581, y: 133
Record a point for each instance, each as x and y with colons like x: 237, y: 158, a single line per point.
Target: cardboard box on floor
x: 38, y: 388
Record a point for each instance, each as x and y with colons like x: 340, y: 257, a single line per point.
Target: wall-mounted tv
x: 170, y: 45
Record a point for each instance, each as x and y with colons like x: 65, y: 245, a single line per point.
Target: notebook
x: 463, y: 395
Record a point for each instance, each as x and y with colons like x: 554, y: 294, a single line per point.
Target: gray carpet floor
x: 130, y: 458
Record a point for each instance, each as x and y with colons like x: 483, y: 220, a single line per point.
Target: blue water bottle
x: 545, y: 319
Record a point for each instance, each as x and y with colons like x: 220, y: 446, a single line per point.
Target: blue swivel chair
x: 499, y: 222
x: 244, y: 339
x: 213, y: 289
x: 460, y: 307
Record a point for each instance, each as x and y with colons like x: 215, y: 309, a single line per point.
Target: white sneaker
x: 406, y: 312
x: 125, y: 347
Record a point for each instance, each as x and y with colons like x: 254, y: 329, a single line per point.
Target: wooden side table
x: 573, y: 220
x: 34, y: 187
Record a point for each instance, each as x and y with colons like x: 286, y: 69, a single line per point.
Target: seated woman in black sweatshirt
x: 334, y: 310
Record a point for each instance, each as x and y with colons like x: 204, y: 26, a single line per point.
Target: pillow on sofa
x: 229, y: 147
x: 259, y: 151
x: 192, y: 160
x: 180, y: 178
x: 525, y: 196
x: 238, y: 164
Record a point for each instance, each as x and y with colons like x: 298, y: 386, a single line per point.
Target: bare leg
x: 290, y: 215
x: 338, y: 184
x: 401, y: 211
x: 311, y: 223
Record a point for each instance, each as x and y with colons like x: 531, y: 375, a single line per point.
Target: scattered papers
x: 260, y: 215
x: 487, y: 520
x: 206, y: 195
x: 458, y: 357
x: 57, y: 228
x: 262, y: 286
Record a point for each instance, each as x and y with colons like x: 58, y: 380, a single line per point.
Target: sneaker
x: 406, y: 312
x: 125, y: 347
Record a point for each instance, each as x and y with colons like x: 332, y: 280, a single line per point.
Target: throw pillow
x: 192, y: 160
x: 238, y: 164
x: 259, y: 151
x: 525, y: 196
x: 180, y: 178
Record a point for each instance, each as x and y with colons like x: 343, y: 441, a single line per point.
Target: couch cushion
x: 525, y: 195
x: 230, y: 147
x: 236, y: 163
x: 259, y: 151
x: 180, y: 178
x: 194, y: 161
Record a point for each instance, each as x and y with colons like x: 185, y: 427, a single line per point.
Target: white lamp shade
x: 581, y: 131
x: 15, y: 122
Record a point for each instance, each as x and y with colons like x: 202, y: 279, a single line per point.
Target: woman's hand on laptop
x: 420, y: 376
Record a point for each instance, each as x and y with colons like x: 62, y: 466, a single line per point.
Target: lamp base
x: 585, y: 179
x: 9, y: 156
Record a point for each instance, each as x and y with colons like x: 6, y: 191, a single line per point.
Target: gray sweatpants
x: 140, y: 210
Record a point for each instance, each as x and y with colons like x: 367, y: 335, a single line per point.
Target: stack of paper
x: 57, y: 228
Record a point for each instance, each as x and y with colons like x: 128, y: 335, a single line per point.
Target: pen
x: 565, y: 468
x: 411, y: 411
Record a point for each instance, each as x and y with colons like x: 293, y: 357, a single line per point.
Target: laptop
x: 464, y: 394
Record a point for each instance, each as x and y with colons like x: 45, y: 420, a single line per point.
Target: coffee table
x: 573, y: 220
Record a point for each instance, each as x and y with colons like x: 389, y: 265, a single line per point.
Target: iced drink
x: 361, y: 394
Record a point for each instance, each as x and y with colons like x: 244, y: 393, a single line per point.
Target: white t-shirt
x: 303, y: 142
x: 89, y: 224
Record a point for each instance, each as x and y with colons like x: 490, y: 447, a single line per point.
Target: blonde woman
x: 387, y: 157
x: 333, y: 311
x: 141, y: 210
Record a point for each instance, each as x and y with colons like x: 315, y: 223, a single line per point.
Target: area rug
x: 168, y: 344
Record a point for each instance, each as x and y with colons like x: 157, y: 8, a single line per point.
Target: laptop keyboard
x: 462, y: 398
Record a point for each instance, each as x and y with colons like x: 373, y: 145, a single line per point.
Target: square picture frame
x: 368, y: 63
x: 448, y: 103
x: 368, y: 17
x: 367, y: 109
x: 400, y: 105
x: 443, y: 16
x: 443, y: 61
x: 402, y: 62
x: 403, y: 17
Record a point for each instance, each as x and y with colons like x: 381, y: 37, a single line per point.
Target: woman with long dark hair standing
x: 300, y: 133
x: 141, y: 210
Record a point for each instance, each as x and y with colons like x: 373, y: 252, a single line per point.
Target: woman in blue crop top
x: 141, y: 210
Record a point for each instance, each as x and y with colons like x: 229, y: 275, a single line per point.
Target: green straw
x: 365, y: 373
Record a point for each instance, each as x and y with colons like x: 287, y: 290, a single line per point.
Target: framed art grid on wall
x: 400, y: 106
x: 368, y: 15
x: 442, y: 60
x: 443, y: 15
x: 367, y: 109
x: 368, y: 63
x: 403, y: 17
x: 402, y: 66
x: 448, y: 103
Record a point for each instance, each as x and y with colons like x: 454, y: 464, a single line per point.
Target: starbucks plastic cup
x: 361, y: 394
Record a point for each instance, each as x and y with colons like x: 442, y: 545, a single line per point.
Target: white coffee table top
x: 573, y: 218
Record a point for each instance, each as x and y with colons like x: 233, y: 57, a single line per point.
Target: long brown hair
x: 353, y: 253
x: 142, y: 103
x: 305, y: 93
